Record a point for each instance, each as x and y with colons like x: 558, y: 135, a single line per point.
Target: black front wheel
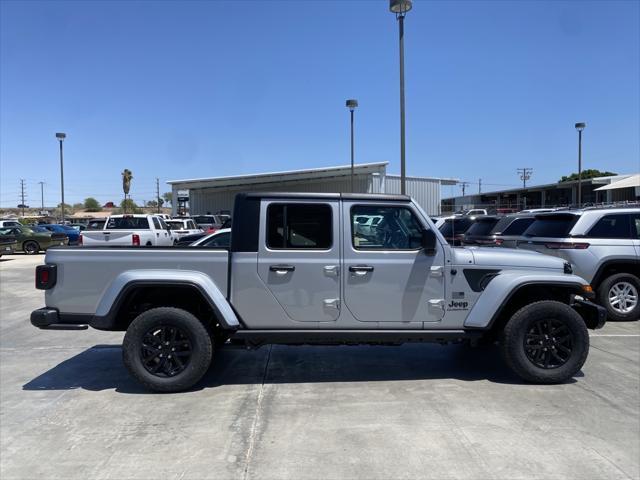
x: 30, y: 247
x: 545, y: 342
x: 167, y: 349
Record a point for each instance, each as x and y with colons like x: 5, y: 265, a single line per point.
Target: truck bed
x: 85, y: 274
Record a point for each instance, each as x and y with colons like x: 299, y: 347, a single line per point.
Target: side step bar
x: 342, y: 337
x: 64, y: 326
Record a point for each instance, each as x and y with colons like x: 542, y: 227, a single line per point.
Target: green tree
x: 152, y: 204
x: 167, y: 197
x: 92, y: 205
x: 589, y: 173
x: 129, y: 206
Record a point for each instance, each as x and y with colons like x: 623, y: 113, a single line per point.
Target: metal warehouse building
x: 211, y: 195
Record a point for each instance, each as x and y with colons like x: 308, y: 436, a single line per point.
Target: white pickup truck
x: 130, y: 230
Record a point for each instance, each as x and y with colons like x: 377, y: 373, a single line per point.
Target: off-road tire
x: 167, y: 317
x: 603, y: 296
x: 517, y: 328
x: 30, y: 247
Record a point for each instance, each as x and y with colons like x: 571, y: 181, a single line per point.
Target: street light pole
x: 351, y: 105
x: 580, y: 127
x: 61, y: 136
x: 400, y: 8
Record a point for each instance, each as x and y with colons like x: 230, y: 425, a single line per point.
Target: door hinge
x: 331, y: 270
x: 436, y: 271
x: 437, y: 305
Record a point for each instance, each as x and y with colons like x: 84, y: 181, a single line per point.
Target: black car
x: 509, y: 229
x: 189, y: 239
x: 480, y: 232
x: 453, y: 229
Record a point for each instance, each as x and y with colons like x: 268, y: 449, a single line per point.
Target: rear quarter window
x: 482, y: 227
x: 455, y: 227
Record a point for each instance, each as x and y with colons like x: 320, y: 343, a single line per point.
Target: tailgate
x: 107, y: 237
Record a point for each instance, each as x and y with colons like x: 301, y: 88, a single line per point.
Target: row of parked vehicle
x: 116, y: 230
x: 602, y: 245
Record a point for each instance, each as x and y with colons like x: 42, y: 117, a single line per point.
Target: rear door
x: 387, y: 275
x: 299, y: 257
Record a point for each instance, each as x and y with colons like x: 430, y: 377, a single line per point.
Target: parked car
x: 72, y: 233
x: 509, y: 229
x: 603, y: 247
x: 187, y: 240
x: 366, y: 225
x: 181, y: 227
x: 7, y: 244
x: 131, y: 230
x: 294, y: 264
x: 9, y: 223
x: 476, y: 211
x: 32, y: 240
x: 219, y: 239
x: 209, y: 223
x: 454, y: 228
x: 480, y: 232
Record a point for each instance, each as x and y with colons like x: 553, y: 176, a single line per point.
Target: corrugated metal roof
x: 290, y: 175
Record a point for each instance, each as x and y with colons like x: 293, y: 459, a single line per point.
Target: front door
x: 299, y: 258
x: 387, y: 275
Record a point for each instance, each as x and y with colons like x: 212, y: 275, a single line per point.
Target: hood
x: 511, y: 257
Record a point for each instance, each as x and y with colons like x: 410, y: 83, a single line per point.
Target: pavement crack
x: 256, y: 418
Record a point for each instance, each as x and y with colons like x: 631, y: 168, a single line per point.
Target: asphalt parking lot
x: 68, y: 409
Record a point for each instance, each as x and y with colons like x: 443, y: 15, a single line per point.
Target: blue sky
x: 183, y: 89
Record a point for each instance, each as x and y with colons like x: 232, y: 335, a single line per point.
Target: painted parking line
x: 616, y: 335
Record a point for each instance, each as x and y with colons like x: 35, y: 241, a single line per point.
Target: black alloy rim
x: 548, y: 343
x: 165, y: 351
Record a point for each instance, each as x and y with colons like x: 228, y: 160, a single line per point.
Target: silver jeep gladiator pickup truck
x: 299, y: 271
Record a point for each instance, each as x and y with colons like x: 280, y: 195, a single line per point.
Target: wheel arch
x: 194, y: 292
x: 612, y: 267
x: 504, y: 296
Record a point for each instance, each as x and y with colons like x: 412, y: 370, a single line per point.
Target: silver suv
x: 603, y: 247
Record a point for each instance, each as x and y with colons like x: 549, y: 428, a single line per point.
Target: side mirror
x: 429, y: 242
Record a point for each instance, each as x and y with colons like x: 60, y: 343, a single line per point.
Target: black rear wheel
x: 30, y: 247
x: 167, y: 349
x: 545, y: 342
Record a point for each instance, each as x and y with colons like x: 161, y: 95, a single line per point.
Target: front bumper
x: 50, y: 319
x: 594, y: 315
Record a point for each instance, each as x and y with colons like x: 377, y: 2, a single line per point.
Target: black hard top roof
x: 328, y: 196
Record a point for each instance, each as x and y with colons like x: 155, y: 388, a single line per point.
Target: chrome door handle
x: 331, y: 270
x: 360, y: 270
x: 436, y: 271
x: 331, y: 302
x: 282, y: 269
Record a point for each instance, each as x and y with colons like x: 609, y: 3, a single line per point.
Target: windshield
x: 552, y: 226
x: 128, y: 223
x: 455, y: 226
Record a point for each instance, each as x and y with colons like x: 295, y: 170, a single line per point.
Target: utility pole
x: 158, y: 193
x: 525, y: 174
x: 22, y: 194
x: 41, y: 197
x: 464, y: 186
x: 479, y: 186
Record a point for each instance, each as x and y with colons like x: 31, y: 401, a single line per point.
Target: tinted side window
x: 635, y: 222
x: 518, y: 226
x: 156, y: 223
x: 299, y: 226
x: 482, y: 227
x: 611, y: 226
x: 396, y: 228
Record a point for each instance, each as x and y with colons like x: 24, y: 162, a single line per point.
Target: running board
x: 64, y: 326
x: 354, y: 337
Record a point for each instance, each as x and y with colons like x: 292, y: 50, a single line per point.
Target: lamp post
x: 61, y: 136
x: 400, y: 8
x: 351, y: 105
x: 580, y: 127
